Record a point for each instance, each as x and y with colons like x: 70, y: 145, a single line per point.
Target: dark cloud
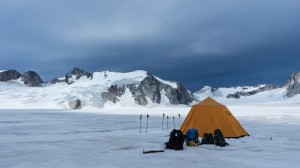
x: 217, y: 43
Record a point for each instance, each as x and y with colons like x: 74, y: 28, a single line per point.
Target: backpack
x: 207, y: 138
x: 219, y: 138
x: 191, y: 137
x: 176, y: 140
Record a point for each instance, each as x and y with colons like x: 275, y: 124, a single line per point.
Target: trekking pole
x: 167, y: 122
x: 147, y: 124
x: 174, y: 121
x: 179, y: 119
x: 162, y: 124
x: 140, y: 123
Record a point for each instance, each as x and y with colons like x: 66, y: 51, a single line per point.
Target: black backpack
x: 207, y: 138
x: 176, y: 140
x: 219, y: 138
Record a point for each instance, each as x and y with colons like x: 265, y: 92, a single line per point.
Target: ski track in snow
x: 111, y: 138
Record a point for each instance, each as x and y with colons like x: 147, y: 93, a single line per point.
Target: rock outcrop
x: 9, y: 75
x: 293, y: 85
x: 237, y: 95
x: 150, y: 89
x: 74, y: 74
x: 75, y: 104
x: 31, y: 78
x: 77, y: 73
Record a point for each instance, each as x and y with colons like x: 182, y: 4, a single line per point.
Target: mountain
x: 29, y: 78
x: 94, y: 90
x: 293, y: 85
x: 73, y: 75
x: 150, y: 89
x: 290, y: 92
x: 9, y: 75
x: 130, y: 89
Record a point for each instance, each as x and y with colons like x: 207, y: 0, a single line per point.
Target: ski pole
x: 140, y: 123
x: 162, y: 124
x: 174, y: 121
x: 179, y: 119
x: 167, y: 122
x: 147, y: 124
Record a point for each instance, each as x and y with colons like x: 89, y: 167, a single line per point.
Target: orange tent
x: 210, y: 115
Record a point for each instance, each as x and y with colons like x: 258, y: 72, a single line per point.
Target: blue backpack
x: 192, y: 136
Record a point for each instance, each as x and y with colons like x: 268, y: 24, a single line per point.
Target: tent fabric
x: 209, y: 115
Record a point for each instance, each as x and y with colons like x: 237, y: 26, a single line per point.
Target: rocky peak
x: 150, y: 89
x: 9, y: 75
x: 78, y: 73
x: 293, y: 85
x: 31, y: 78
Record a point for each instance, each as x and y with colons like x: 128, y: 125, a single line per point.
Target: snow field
x: 111, y: 138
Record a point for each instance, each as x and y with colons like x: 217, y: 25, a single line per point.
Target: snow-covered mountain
x: 131, y: 89
x: 94, y: 90
x: 254, y: 94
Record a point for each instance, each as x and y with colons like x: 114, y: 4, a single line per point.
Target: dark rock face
x: 9, y: 75
x: 150, y: 89
x: 293, y: 85
x: 78, y: 73
x: 113, y: 92
x: 56, y: 80
x: 237, y: 95
x: 31, y: 78
x: 75, y: 104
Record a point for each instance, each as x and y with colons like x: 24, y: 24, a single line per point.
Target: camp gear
x: 179, y: 120
x: 167, y: 122
x: 162, y: 123
x: 174, y: 122
x: 191, y: 137
x: 210, y: 115
x: 219, y: 138
x: 176, y: 140
x: 207, y: 138
x: 152, y: 151
x: 147, y: 124
x: 140, y: 123
x: 193, y: 143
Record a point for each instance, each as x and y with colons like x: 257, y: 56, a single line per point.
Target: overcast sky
x: 196, y: 42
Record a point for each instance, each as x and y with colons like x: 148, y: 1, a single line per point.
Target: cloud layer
x: 197, y: 42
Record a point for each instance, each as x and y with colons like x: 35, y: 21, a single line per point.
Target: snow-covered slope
x: 91, y: 89
x: 107, y: 89
x: 289, y: 93
x: 223, y: 95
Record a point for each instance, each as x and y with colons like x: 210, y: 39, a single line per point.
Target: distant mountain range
x: 137, y: 88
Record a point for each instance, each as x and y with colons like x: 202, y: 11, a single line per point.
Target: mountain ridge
x: 136, y: 88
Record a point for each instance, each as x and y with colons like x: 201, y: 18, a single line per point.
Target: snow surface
x: 111, y: 138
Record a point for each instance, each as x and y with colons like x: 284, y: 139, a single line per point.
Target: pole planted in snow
x: 141, y: 123
x: 179, y: 119
x: 174, y: 121
x: 167, y: 122
x: 147, y: 124
x: 162, y: 124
